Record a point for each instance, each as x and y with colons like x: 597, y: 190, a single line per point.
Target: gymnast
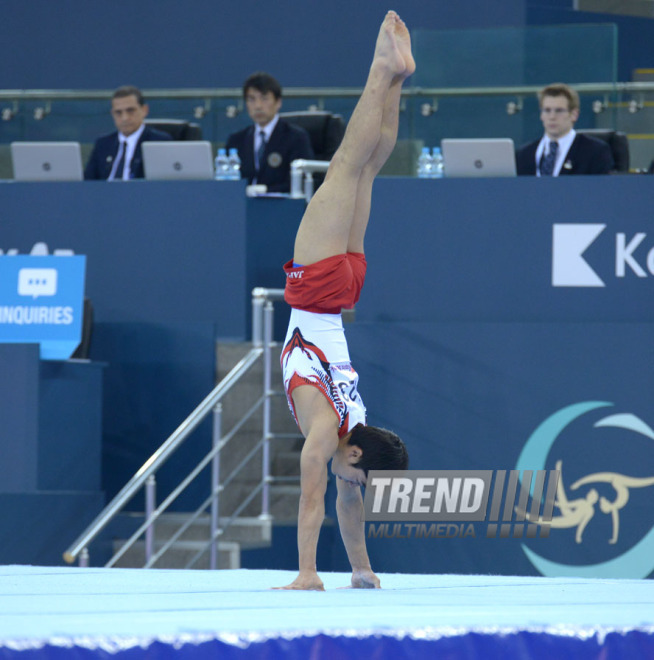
x: 326, y: 274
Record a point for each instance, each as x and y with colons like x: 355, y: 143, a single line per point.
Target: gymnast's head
x: 368, y: 448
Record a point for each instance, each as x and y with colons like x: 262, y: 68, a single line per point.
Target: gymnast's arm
x: 320, y: 445
x: 349, y: 508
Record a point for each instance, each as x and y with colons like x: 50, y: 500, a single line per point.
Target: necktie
x: 547, y: 162
x: 121, y: 162
x: 261, y: 150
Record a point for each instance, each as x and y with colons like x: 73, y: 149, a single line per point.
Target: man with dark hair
x: 562, y: 150
x: 268, y: 148
x: 325, y: 275
x: 117, y: 156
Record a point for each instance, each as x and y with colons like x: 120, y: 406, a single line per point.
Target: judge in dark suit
x: 118, y: 156
x: 562, y: 150
x: 268, y: 148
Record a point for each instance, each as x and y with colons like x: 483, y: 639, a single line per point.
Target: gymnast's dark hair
x: 380, y: 449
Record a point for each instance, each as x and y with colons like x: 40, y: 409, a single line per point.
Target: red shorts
x: 326, y: 286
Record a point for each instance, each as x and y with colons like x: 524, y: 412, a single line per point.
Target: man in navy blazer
x: 268, y: 147
x: 118, y: 156
x: 562, y: 150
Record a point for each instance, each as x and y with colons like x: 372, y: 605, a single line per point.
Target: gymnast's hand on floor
x: 365, y: 579
x: 306, y: 581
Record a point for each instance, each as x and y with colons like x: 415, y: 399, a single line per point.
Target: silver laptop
x: 46, y: 161
x: 177, y: 160
x: 479, y: 157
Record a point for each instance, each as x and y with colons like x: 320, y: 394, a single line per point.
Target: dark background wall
x: 74, y: 44
x: 206, y: 43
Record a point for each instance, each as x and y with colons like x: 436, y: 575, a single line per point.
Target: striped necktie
x: 261, y: 150
x: 547, y: 162
x: 118, y: 175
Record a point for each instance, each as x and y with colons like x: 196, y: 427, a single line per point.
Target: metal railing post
x: 257, y: 318
x: 215, y: 486
x: 308, y: 186
x: 84, y: 558
x: 296, y: 179
x: 303, y: 187
x: 267, y: 380
x: 150, y: 505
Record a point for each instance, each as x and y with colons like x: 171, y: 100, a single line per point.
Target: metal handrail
x: 260, y: 297
x: 305, y: 167
x: 216, y: 534
x: 181, y: 486
x: 312, y: 92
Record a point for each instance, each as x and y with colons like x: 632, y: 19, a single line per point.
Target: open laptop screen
x: 46, y: 161
x: 482, y: 157
x: 177, y: 160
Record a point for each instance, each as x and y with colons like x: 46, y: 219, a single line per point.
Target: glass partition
x: 501, y: 58
x: 504, y: 57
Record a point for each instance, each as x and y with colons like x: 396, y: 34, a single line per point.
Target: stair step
x: 284, y: 502
x: 249, y: 532
x: 179, y: 556
x: 286, y: 463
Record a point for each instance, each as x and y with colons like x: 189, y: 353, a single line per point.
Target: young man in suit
x: 268, y: 148
x: 327, y: 273
x: 118, y: 156
x: 562, y: 150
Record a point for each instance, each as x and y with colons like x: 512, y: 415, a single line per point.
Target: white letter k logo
x: 569, y: 242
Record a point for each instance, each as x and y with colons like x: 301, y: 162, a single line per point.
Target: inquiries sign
x: 42, y: 302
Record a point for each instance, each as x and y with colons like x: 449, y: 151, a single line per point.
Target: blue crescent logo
x: 636, y: 563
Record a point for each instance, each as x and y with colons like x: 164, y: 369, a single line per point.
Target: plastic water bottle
x: 222, y: 166
x: 424, y: 164
x: 437, y: 166
x: 233, y: 165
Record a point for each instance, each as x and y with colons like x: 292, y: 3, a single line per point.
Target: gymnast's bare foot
x: 403, y: 41
x: 387, y: 50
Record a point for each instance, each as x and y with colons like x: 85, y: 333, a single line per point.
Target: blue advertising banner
x: 41, y: 302
x: 518, y: 398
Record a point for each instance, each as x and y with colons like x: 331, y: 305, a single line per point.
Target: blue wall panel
x: 19, y: 388
x: 482, y: 250
x: 163, y: 44
x: 471, y: 396
x: 202, y: 43
x: 70, y: 425
x: 155, y: 250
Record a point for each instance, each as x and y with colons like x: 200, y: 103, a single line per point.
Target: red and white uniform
x: 315, y: 350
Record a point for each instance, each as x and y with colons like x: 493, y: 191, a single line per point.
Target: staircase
x: 249, y: 529
x: 284, y: 451
x: 189, y: 551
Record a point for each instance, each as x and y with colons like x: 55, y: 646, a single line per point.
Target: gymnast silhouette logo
x: 579, y: 512
x: 579, y: 504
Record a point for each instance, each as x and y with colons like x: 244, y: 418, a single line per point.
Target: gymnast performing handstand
x: 326, y: 274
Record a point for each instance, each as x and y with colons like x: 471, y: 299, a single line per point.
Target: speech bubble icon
x: 37, y: 282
